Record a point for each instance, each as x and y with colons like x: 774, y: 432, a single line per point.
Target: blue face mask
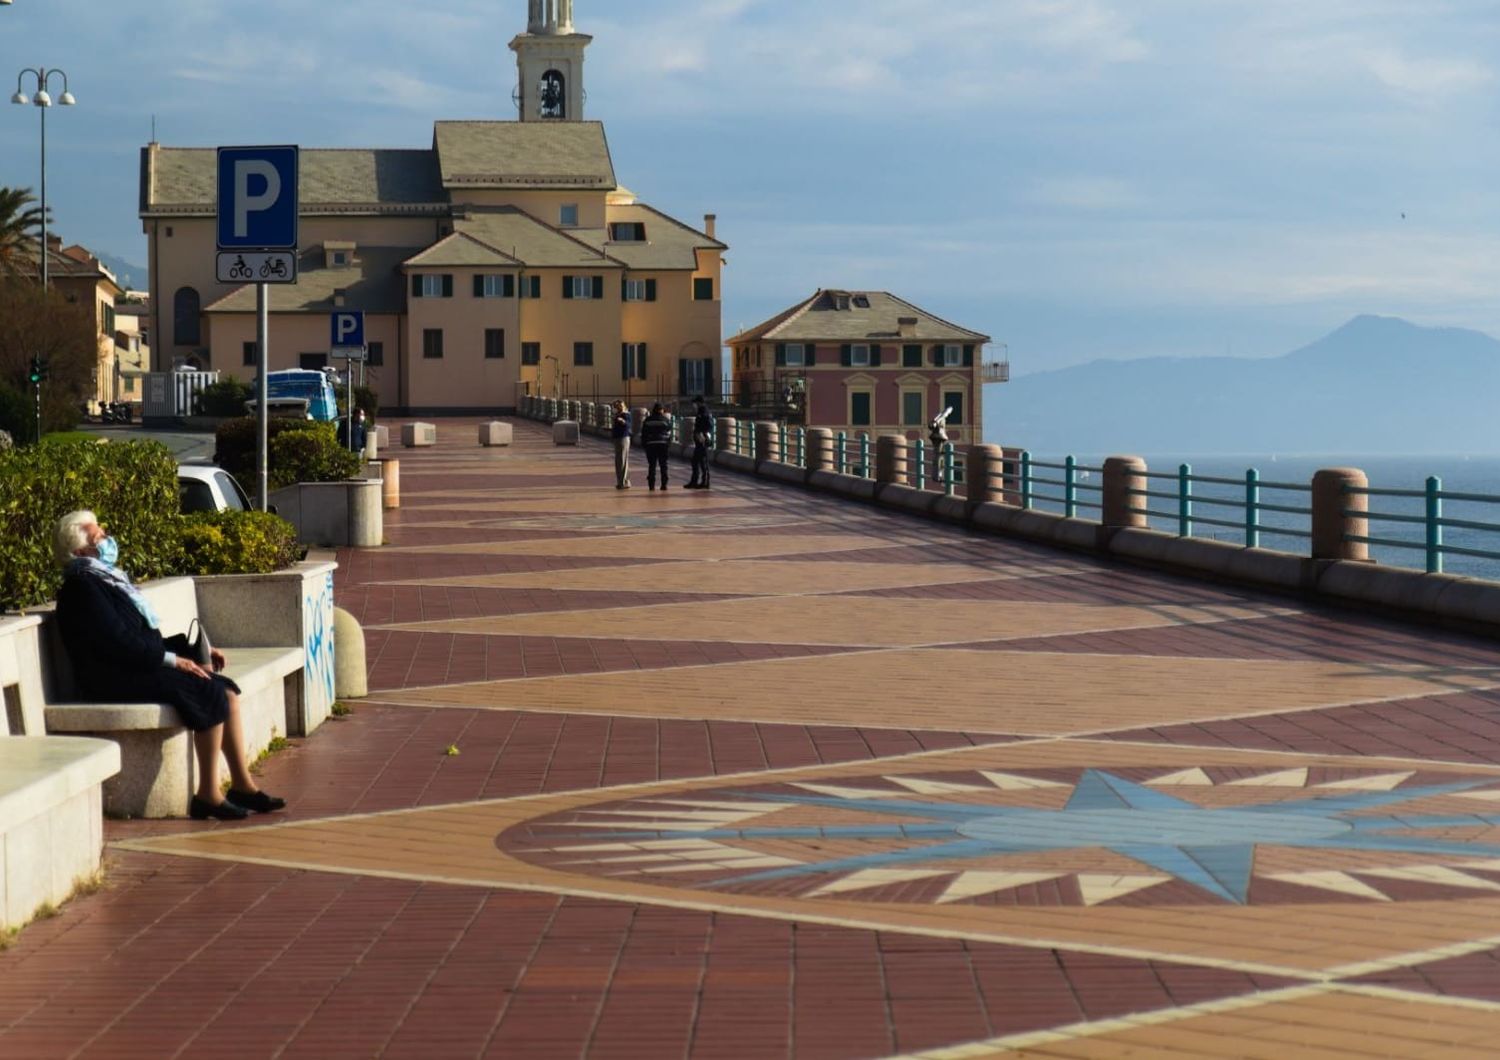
x: 109, y: 551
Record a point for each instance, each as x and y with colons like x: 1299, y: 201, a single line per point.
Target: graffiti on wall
x: 317, y: 633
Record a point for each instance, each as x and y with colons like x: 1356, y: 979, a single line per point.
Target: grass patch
x: 342, y: 710
x: 84, y: 886
x: 276, y: 746
x: 57, y: 437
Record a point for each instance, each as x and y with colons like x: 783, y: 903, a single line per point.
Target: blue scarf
x: 120, y: 578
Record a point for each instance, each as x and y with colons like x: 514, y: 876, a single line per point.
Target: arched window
x: 554, y: 95
x: 185, y: 323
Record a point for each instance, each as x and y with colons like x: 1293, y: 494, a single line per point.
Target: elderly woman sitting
x: 120, y: 656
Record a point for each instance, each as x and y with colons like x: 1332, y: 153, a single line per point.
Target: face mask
x: 109, y: 551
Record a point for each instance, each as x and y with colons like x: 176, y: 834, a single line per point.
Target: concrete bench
x: 51, y: 827
x: 157, y: 767
x: 497, y: 433
x: 565, y: 432
x: 418, y: 435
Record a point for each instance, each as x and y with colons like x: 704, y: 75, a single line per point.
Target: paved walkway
x: 756, y: 773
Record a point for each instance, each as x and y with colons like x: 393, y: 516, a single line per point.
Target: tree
x: 37, y: 323
x: 19, y: 224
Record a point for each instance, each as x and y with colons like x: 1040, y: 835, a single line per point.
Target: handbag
x: 202, y: 648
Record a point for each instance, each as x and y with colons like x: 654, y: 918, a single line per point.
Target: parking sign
x: 347, y: 331
x: 258, y: 198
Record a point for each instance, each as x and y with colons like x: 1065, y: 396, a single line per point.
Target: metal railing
x: 1432, y: 521
x: 1075, y: 478
x: 1250, y: 505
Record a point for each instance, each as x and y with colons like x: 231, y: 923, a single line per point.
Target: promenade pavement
x: 759, y: 773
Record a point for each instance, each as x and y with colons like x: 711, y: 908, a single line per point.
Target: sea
x: 1457, y: 474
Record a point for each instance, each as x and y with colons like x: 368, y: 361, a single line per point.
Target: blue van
x: 302, y: 384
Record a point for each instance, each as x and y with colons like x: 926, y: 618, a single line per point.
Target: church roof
x: 458, y: 251
x: 183, y: 181
x: 562, y: 156
x: 669, y: 244
x: 527, y: 239
x: 856, y: 316
x: 372, y: 283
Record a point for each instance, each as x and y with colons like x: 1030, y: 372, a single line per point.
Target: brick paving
x: 766, y: 774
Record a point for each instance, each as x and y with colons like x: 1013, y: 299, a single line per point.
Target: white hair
x: 70, y: 536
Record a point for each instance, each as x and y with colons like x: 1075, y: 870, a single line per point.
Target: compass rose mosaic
x: 1050, y: 837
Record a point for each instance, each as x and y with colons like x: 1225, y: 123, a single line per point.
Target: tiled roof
x: 819, y: 319
x: 531, y: 242
x: 512, y: 154
x: 669, y: 244
x: 373, y: 283
x: 183, y: 181
x: 459, y: 250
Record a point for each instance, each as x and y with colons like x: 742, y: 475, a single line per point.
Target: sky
x: 1079, y: 179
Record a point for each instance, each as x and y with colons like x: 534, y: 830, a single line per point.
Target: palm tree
x: 19, y: 222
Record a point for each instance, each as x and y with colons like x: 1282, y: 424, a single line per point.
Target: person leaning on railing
x: 118, y: 654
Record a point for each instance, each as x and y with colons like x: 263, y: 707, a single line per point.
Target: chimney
x: 710, y: 222
x: 907, y: 327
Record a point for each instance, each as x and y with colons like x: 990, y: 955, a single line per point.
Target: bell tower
x: 549, y: 57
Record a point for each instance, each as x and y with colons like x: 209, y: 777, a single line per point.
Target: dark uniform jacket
x: 656, y: 430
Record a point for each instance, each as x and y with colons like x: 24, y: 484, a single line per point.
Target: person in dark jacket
x: 703, y: 437
x: 120, y: 656
x: 656, y: 437
x: 620, y: 433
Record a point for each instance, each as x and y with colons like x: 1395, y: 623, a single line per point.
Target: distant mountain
x: 1377, y: 385
x: 131, y: 277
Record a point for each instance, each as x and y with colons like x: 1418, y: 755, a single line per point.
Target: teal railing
x: 1250, y: 506
x: 1433, y: 522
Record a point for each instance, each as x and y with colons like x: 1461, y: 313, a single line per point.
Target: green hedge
x: 311, y: 456
x: 235, y: 442
x: 237, y: 542
x: 224, y: 398
x: 132, y: 488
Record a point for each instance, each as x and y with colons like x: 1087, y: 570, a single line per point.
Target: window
x: 953, y: 356
x: 531, y: 287
x: 633, y: 360
x: 859, y: 356
x: 911, y: 356
x: 531, y: 353
x: 583, y: 353
x: 703, y: 289
x: 911, y: 409
x: 195, y: 496
x: 495, y: 285
x: 553, y: 95
x: 338, y: 258
x: 954, y: 399
x: 312, y: 362
x: 638, y: 290
x: 627, y: 232
x: 796, y: 355
x: 247, y: 351
x: 432, y: 342
x: 433, y: 285
x: 567, y: 216
x: 185, y: 317
x: 583, y: 287
x: 859, y: 408
x: 693, y: 376
x: 861, y: 302
x: 375, y: 354
x: 234, y: 497
x: 494, y: 343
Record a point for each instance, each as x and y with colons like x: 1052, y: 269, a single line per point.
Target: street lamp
x: 42, y: 100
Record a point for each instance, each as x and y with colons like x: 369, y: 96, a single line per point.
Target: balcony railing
x: 995, y: 372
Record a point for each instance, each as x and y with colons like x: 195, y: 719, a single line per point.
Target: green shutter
x: 809, y: 354
x: 416, y: 286
x: 846, y: 356
x: 937, y: 356
x: 625, y: 360
x: 640, y: 361
x: 968, y: 356
x: 567, y: 287
x: 650, y: 290
x: 599, y: 287
x: 447, y: 285
x: 781, y: 355
x: 874, y: 356
x: 624, y: 288
x: 478, y: 285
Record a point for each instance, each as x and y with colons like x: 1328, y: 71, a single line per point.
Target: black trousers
x: 700, y: 464
x: 656, y: 456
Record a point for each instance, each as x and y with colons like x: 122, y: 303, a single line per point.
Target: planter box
x: 21, y: 689
x: 334, y: 513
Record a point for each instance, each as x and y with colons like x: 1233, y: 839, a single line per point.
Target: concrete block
x: 495, y: 433
x: 350, y: 679
x: 418, y: 435
x: 565, y: 432
x: 382, y: 436
x: 335, y: 514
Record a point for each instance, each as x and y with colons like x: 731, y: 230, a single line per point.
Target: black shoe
x: 223, y: 811
x: 652, y: 487
x: 691, y: 486
x: 258, y: 801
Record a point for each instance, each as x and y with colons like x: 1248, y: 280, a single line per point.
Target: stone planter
x: 21, y: 676
x: 334, y: 513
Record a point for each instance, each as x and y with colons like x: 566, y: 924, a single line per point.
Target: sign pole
x: 349, y: 404
x: 262, y: 395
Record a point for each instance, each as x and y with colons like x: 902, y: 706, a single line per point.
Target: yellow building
x: 505, y: 259
x: 82, y: 279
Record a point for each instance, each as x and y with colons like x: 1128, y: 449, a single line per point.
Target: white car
x: 209, y: 488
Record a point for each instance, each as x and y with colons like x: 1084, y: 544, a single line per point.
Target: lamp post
x: 43, y: 101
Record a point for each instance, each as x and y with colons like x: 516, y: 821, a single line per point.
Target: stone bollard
x: 767, y: 442
x: 349, y: 678
x: 1121, y: 475
x: 984, y: 468
x: 819, y: 449
x: 890, y: 459
x: 1329, y: 523
x: 372, y: 444
x: 390, y: 482
x: 724, y: 443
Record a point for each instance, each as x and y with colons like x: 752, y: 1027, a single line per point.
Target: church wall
x: 293, y: 334
x: 557, y: 323
x: 463, y: 377
x: 545, y: 206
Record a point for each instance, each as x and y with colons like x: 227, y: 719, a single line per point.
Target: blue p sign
x: 348, y: 331
x: 258, y: 198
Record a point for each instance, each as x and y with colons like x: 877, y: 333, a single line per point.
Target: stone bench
x: 157, y: 766
x: 494, y: 434
x: 51, y: 826
x: 418, y: 435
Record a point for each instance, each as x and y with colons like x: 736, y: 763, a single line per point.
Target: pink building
x: 864, y: 362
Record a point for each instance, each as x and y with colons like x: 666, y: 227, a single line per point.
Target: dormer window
x: 861, y: 302
x: 567, y: 216
x: 627, y: 232
x: 841, y: 302
x: 338, y: 259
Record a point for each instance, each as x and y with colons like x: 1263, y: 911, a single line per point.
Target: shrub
x: 236, y: 440
x: 224, y: 398
x: 132, y: 487
x: 235, y: 542
x: 367, y: 399
x: 311, y: 456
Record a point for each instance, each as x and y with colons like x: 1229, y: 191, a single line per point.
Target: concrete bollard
x: 1329, y: 523
x: 819, y: 449
x: 1121, y: 475
x: 767, y: 442
x: 891, y: 459
x: 984, y: 467
x: 727, y: 426
x: 390, y: 482
x: 418, y: 435
x: 349, y: 678
x: 495, y: 433
x: 372, y: 445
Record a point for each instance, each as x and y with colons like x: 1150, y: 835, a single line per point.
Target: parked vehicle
x: 300, y: 384
x: 203, y: 487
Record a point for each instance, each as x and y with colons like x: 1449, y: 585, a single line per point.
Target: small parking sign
x: 348, y: 331
x: 258, y: 198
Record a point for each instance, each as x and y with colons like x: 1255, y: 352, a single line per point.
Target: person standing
x: 620, y: 432
x: 656, y: 436
x: 703, y: 436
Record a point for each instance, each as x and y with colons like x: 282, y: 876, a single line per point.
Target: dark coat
x: 656, y: 430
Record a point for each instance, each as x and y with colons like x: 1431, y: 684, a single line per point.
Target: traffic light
x: 36, y: 369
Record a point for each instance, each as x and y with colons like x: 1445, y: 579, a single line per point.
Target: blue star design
x: 1211, y: 848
